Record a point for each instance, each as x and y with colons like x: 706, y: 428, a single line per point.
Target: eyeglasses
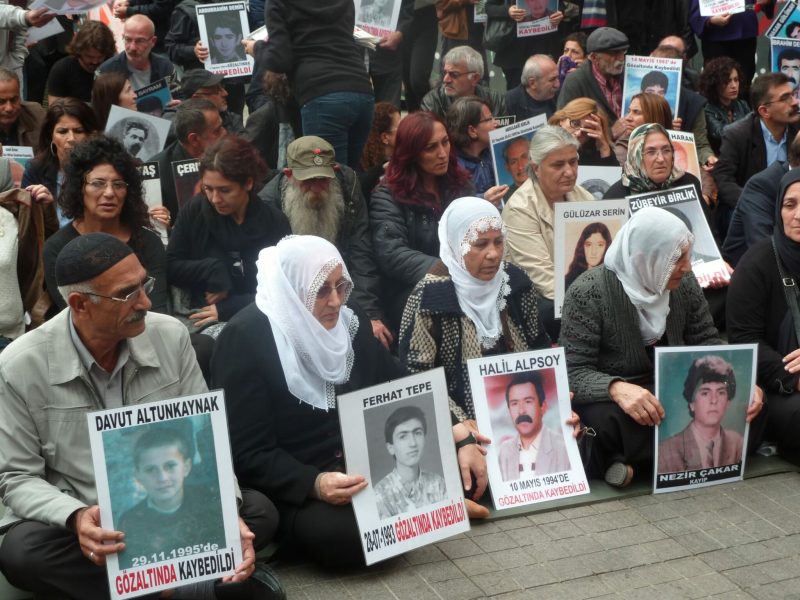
x: 651, y: 153
x: 147, y: 287
x: 784, y: 99
x: 342, y: 290
x: 135, y: 41
x: 100, y: 185
x: 488, y: 119
x: 454, y: 74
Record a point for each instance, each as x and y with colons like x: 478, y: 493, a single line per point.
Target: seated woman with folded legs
x: 282, y: 362
x: 643, y: 296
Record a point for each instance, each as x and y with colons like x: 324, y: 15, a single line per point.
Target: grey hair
x: 77, y: 288
x: 467, y: 56
x: 533, y: 67
x: 8, y: 75
x: 550, y: 138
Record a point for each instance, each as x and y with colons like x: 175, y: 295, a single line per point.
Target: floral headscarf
x: 634, y: 176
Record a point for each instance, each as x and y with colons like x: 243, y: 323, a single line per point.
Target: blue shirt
x: 775, y: 150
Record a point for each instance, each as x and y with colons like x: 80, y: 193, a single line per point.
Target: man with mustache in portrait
x: 536, y: 449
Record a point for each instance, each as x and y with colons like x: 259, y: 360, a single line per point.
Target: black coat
x: 280, y: 444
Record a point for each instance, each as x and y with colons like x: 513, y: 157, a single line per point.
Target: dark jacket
x: 753, y: 218
x: 757, y: 313
x: 39, y: 172
x: 183, y: 35
x: 209, y: 252
x: 717, y: 120
x: 147, y: 246
x: 354, y: 240
x: 160, y: 66
x: 436, y: 333
x: 618, y: 190
x: 743, y: 155
x: 690, y: 110
x: 312, y: 42
x: 438, y: 102
x: 582, y: 84
x: 520, y: 104
x: 263, y: 129
x: 172, y: 153
x: 279, y: 444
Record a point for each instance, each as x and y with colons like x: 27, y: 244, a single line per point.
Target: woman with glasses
x: 588, y: 123
x: 215, y: 242
x: 643, y: 108
x: 282, y: 362
x: 102, y: 191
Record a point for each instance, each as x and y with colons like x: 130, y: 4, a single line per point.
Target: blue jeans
x: 343, y: 119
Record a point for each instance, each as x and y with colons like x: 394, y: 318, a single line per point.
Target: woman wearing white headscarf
x: 644, y: 295
x: 282, y: 361
x: 469, y: 305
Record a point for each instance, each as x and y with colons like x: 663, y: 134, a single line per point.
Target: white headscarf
x: 313, y: 358
x: 481, y: 301
x: 643, y: 255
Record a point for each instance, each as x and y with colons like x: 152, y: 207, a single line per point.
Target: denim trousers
x: 343, y: 119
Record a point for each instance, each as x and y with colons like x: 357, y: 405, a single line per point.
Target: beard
x: 312, y: 213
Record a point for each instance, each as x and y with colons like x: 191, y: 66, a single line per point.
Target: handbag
x: 498, y: 33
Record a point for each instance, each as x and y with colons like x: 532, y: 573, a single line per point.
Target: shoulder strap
x: 789, y: 290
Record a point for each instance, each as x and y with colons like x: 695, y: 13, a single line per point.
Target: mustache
x: 523, y: 419
x: 137, y: 316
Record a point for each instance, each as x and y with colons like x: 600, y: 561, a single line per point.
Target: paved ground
x: 733, y: 541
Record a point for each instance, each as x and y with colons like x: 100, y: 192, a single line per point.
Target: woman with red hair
x: 422, y: 178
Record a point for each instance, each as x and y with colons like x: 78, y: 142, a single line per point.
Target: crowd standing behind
x: 403, y: 253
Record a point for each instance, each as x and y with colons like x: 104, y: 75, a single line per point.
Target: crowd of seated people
x: 373, y: 243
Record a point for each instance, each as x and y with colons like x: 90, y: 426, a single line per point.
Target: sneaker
x: 263, y: 584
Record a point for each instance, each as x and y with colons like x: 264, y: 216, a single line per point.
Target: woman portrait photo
x: 590, y: 251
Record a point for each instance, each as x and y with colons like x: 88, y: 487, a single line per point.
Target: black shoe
x: 263, y: 584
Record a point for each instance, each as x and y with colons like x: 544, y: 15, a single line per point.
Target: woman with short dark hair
x: 719, y: 83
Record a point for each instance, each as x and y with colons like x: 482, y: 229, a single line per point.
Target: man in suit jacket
x: 755, y: 142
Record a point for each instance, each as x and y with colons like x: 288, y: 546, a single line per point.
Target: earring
x: 53, y: 150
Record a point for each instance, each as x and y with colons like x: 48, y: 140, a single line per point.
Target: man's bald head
x: 140, y: 23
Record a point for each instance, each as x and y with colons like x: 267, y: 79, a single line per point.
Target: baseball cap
x: 195, y: 79
x: 309, y: 157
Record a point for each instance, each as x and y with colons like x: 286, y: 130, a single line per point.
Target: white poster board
x: 597, y: 180
x: 222, y: 28
x: 510, y: 147
x: 705, y: 392
x: 391, y: 432
x: 165, y: 479
x: 653, y: 75
x: 378, y: 17
x: 142, y: 135
x: 537, y: 17
x: 522, y: 401
x: 711, y: 8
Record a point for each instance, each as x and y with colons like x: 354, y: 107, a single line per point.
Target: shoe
x: 263, y: 584
x: 619, y: 475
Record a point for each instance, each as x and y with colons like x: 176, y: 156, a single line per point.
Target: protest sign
x: 142, y: 135
x: 394, y: 433
x: 378, y: 17
x: 684, y: 203
x: 711, y: 8
x: 479, y: 12
x: 165, y: 479
x: 685, y: 151
x: 786, y: 23
x: 537, y: 17
x: 186, y: 174
x: 18, y: 157
x: 510, y: 146
x: 153, y: 98
x: 49, y: 29
x: 522, y: 401
x: 67, y: 7
x: 151, y: 187
x: 597, y: 180
x: 785, y: 55
x: 222, y: 29
x: 705, y: 392
x: 653, y: 75
x: 583, y: 231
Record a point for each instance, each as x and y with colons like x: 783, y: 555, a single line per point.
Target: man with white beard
x: 323, y: 198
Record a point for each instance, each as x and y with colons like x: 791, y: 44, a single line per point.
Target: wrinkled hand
x: 574, y: 421
x: 495, y: 194
x: 338, y: 488
x: 391, y: 41
x: 96, y: 542
x: 677, y: 122
x: 756, y: 404
x: 214, y: 297
x: 205, y: 316
x: 249, y: 46
x: 516, y: 13
x: 39, y: 17
x: 40, y: 194
x: 556, y: 18
x: 160, y: 214
x: 382, y: 333
x: 639, y: 404
x: 200, y: 51
x: 248, y: 564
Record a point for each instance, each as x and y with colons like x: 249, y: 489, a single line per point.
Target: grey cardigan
x: 600, y: 332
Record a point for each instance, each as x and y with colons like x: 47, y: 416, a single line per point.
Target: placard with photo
x: 479, y: 12
x: 399, y: 436
x: 151, y: 187
x: 18, y: 157
x: 597, y: 180
x: 685, y: 152
x: 537, y: 17
x: 786, y: 23
x: 142, y: 135
x: 154, y: 98
x: 510, y: 150
x: 378, y: 17
x: 583, y: 231
x: 222, y: 28
x: 684, y: 203
x: 653, y: 75
x: 522, y: 402
x: 186, y: 175
x: 165, y: 479
x: 705, y: 392
x: 785, y: 55
x: 711, y: 8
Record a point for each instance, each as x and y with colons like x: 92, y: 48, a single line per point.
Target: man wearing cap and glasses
x: 199, y: 83
x: 104, y: 351
x: 600, y: 77
x: 323, y: 198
